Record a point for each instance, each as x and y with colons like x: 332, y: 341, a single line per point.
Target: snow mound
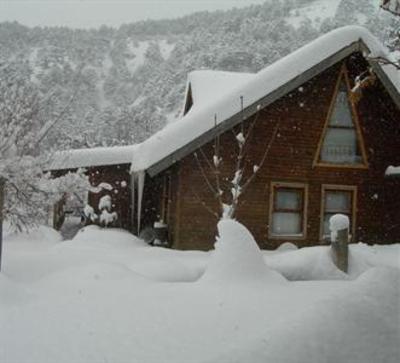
x: 38, y: 235
x: 84, y: 276
x: 338, y: 222
x: 363, y: 257
x: 310, y: 263
x: 355, y: 322
x: 287, y: 246
x: 11, y: 293
x: 95, y: 236
x: 237, y: 257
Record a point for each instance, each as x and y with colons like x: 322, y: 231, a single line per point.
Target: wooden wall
x: 301, y: 116
x: 120, y: 194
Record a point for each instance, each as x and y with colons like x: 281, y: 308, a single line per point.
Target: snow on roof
x: 222, y: 82
x: 199, y: 120
x: 80, y: 158
x: 392, y: 171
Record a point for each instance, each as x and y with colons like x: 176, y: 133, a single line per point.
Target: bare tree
x: 392, y: 6
x: 367, y: 78
x: 228, y: 195
x: 25, y: 189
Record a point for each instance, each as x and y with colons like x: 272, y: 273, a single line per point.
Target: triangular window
x: 341, y: 142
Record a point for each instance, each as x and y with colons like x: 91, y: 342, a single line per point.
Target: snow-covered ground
x: 105, y: 296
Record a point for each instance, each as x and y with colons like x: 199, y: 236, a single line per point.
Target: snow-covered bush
x: 89, y: 213
x: 106, y: 217
x: 26, y: 190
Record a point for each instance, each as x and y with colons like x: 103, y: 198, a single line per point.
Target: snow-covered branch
x: 392, y: 6
x: 228, y: 191
x: 26, y: 188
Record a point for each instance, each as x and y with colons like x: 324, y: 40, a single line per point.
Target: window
x: 341, y: 142
x: 287, y: 216
x: 337, y: 199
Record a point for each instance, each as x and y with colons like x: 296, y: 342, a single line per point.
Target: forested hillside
x: 121, y: 85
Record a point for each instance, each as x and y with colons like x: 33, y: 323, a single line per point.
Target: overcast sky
x: 92, y: 13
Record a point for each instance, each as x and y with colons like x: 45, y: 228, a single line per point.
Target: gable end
x: 253, y: 108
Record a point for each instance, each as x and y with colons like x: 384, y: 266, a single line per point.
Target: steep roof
x: 198, y: 127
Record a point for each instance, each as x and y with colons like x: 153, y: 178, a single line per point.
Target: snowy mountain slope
x: 316, y: 11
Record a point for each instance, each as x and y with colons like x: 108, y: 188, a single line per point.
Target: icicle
x: 141, y: 177
x: 133, y: 200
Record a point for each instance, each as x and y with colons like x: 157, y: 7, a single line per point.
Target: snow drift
x: 105, y: 296
x: 237, y: 257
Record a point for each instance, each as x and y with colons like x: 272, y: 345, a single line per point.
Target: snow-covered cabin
x: 324, y: 131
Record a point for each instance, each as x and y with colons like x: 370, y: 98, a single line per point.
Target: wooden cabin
x: 322, y: 125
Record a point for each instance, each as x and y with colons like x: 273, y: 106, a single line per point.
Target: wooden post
x: 2, y: 185
x: 340, y: 249
x: 58, y: 214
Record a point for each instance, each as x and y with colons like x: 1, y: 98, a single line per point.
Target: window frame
x: 343, y: 74
x: 353, y: 204
x: 303, y: 210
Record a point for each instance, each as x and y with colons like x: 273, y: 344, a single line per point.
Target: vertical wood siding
x: 301, y: 114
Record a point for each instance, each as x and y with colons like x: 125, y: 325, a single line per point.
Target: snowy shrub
x: 89, y: 213
x: 107, y: 217
x: 105, y: 202
x: 27, y: 191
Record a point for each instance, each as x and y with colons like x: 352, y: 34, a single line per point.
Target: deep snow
x: 105, y: 296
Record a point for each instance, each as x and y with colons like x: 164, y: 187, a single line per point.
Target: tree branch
x: 384, y: 61
x: 264, y: 157
x: 210, y: 210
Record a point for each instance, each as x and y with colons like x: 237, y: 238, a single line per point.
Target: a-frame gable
x: 341, y: 143
x: 264, y: 89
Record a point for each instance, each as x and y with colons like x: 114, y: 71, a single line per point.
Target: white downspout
x: 141, y: 177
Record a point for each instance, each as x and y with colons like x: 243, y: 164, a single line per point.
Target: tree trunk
x: 2, y: 185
